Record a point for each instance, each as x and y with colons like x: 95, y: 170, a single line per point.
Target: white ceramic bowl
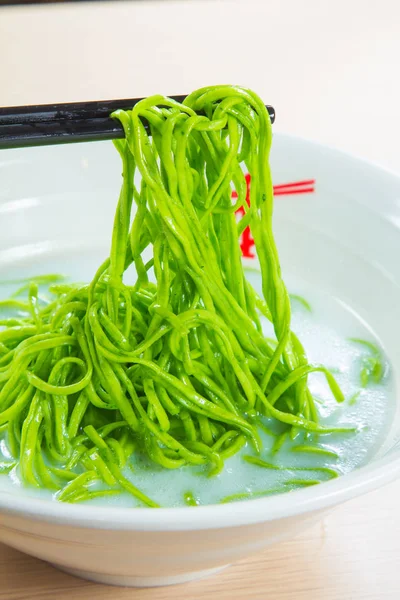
x: 343, y: 237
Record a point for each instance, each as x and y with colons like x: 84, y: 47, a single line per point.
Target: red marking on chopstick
x: 306, y: 186
x: 295, y: 184
x: 288, y: 191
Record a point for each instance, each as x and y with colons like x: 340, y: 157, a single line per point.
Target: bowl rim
x: 234, y: 514
x: 212, y: 516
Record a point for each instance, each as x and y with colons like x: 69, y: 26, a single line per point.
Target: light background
x: 331, y: 68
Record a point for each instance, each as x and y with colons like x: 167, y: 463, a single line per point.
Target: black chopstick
x: 47, y: 124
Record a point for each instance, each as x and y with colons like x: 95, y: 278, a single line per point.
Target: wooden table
x: 352, y: 555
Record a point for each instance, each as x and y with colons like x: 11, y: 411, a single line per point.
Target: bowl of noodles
x: 199, y: 357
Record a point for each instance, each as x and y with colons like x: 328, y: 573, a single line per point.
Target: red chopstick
x: 306, y: 186
x: 296, y: 187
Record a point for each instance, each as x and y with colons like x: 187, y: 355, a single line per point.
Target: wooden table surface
x: 353, y: 554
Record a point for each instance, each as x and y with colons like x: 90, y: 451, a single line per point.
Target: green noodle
x: 315, y: 450
x: 301, y: 301
x: 172, y: 364
x: 259, y: 462
x: 372, y: 365
x: 190, y: 499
